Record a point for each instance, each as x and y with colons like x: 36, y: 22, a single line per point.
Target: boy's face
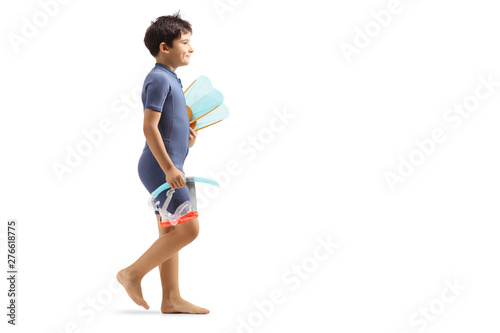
x: 181, y: 51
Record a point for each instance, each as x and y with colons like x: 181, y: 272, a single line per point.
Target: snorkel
x: 187, y: 210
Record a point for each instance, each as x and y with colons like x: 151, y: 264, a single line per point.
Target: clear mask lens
x: 166, y: 216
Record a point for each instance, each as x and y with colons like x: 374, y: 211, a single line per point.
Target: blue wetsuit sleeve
x: 156, y: 93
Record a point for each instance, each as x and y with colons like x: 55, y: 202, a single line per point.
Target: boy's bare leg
x: 172, y: 302
x: 161, y: 250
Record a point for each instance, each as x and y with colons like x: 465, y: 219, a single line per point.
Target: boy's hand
x: 192, y: 137
x: 175, y: 178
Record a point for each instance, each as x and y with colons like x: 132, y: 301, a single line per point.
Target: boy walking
x: 168, y: 139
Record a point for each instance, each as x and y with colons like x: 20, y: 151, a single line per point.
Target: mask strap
x: 164, y: 212
x: 192, y: 192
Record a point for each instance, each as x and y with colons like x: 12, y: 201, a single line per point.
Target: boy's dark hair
x: 165, y: 29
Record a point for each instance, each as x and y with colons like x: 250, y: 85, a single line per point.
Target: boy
x: 168, y: 139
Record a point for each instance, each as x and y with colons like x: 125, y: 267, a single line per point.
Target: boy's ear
x: 163, y: 47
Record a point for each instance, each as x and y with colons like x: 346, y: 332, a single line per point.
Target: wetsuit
x: 162, y: 92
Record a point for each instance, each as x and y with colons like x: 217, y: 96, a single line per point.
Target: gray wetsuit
x: 162, y: 92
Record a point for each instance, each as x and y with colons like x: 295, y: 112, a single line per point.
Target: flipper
x: 218, y: 114
x: 202, y: 100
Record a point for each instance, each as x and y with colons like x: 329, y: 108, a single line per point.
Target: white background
x: 321, y: 177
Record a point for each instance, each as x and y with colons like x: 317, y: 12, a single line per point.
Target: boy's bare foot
x: 133, y: 287
x: 179, y: 305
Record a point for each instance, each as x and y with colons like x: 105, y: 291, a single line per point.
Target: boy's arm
x: 174, y: 177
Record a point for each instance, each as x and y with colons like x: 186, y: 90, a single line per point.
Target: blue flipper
x: 202, y: 97
x: 220, y: 113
